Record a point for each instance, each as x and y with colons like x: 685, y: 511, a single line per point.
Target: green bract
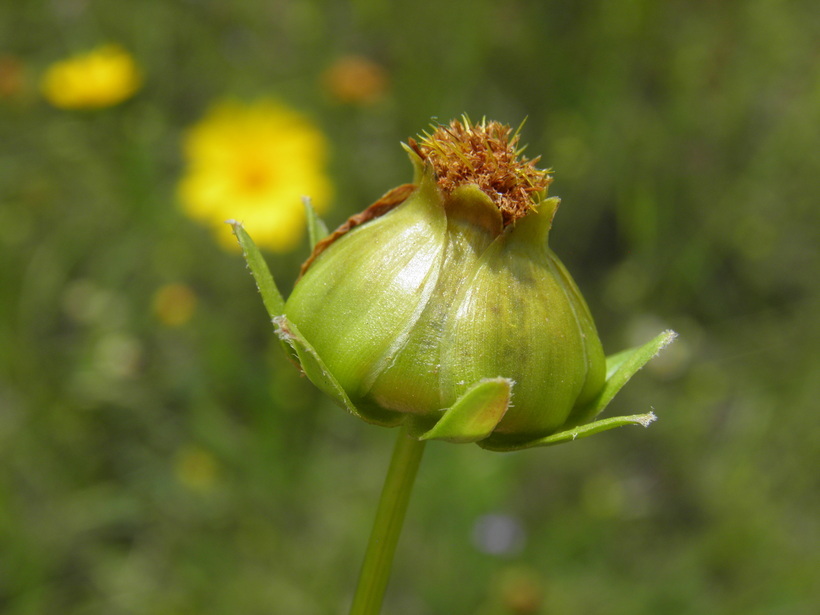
x: 441, y: 307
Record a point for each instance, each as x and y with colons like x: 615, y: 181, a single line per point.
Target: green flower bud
x: 441, y: 306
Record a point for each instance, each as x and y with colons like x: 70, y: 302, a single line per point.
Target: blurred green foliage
x: 147, y: 468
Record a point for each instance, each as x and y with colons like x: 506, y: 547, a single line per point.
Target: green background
x: 684, y: 138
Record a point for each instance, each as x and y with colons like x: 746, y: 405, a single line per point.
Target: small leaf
x: 575, y: 433
x: 620, y: 367
x: 475, y: 414
x: 317, y: 230
x: 271, y: 297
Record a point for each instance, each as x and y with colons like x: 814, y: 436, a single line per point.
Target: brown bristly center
x: 486, y: 154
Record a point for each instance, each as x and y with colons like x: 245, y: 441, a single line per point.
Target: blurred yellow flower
x: 102, y: 77
x: 254, y: 163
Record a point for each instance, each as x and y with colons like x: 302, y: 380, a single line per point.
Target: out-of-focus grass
x: 150, y: 465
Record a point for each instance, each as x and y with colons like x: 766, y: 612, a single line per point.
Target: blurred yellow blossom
x: 102, y: 77
x: 254, y: 163
x: 355, y: 79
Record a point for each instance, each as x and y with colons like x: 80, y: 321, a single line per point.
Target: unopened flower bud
x: 441, y: 306
x: 454, y: 285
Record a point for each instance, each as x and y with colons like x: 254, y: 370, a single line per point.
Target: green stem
x: 386, y: 528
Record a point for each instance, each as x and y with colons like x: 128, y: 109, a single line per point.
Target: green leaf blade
x: 575, y: 433
x: 317, y: 229
x: 620, y: 367
x: 271, y: 297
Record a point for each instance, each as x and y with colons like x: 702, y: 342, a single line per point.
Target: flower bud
x: 441, y: 306
x: 455, y: 285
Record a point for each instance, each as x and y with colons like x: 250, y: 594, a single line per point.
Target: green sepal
x: 317, y: 229
x: 475, y: 414
x: 271, y: 297
x: 314, y: 368
x: 571, y: 434
x: 620, y: 367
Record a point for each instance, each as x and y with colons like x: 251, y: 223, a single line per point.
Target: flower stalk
x: 378, y: 560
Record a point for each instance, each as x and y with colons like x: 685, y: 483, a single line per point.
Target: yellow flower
x: 254, y: 162
x: 103, y: 77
